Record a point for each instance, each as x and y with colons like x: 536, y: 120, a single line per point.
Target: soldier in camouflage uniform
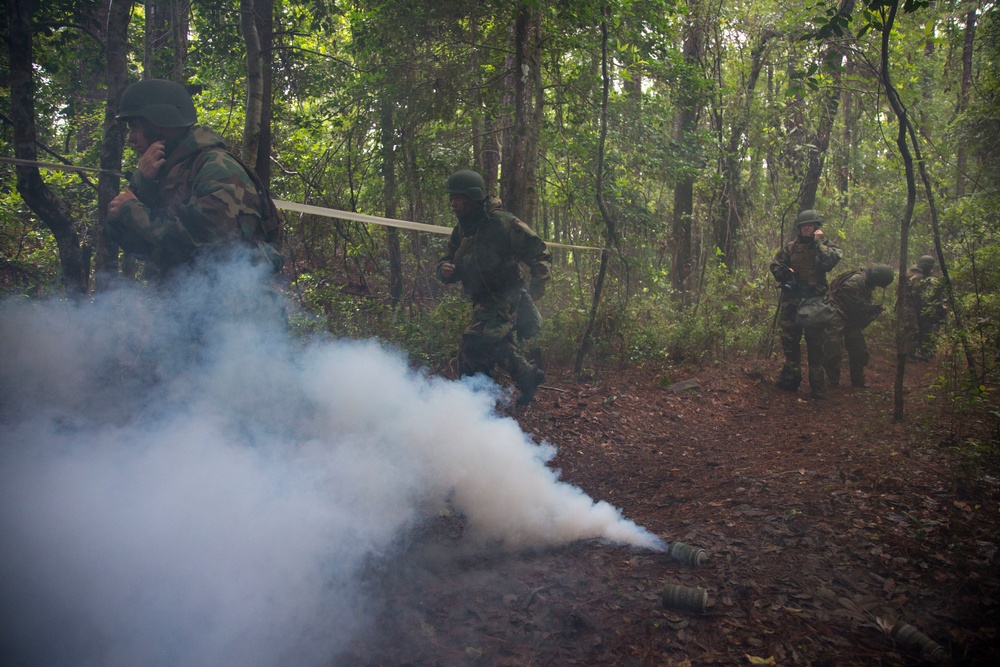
x: 494, y: 255
x: 800, y: 266
x: 189, y: 195
x: 851, y: 292
x: 923, y: 309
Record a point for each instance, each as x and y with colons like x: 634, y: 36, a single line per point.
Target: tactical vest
x: 803, y: 263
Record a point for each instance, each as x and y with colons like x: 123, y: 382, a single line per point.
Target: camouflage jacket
x: 852, y: 295
x: 496, y: 253
x: 203, y: 197
x: 810, y: 261
x: 923, y: 295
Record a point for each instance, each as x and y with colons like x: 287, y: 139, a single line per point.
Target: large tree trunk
x: 255, y: 81
x: 686, y: 124
x: 113, y: 142
x: 519, y: 162
x: 49, y: 207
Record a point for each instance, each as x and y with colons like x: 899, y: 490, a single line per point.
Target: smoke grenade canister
x: 685, y: 598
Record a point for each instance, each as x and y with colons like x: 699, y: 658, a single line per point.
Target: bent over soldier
x: 189, y: 195
x: 800, y: 266
x: 851, y: 293
x: 494, y: 255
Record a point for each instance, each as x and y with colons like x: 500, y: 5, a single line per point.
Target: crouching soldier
x: 851, y: 293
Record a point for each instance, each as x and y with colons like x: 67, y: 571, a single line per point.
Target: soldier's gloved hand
x: 784, y: 274
x: 447, y: 271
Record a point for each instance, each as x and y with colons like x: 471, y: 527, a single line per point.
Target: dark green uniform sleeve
x: 827, y: 256
x: 454, y: 241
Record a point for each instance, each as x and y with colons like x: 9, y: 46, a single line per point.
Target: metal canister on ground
x: 687, y: 554
x: 686, y: 598
x: 907, y: 635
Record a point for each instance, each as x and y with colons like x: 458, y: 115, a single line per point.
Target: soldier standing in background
x: 800, y: 266
x: 189, y: 194
x: 851, y: 292
x: 494, y: 255
x: 924, y: 309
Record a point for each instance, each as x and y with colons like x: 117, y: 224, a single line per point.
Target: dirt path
x: 826, y: 524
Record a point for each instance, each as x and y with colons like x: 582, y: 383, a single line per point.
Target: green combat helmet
x: 468, y: 183
x: 808, y: 217
x: 162, y: 103
x: 881, y: 275
x: 926, y: 263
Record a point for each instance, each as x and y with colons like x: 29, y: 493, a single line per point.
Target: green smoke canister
x: 907, y: 635
x: 687, y: 554
x: 685, y: 598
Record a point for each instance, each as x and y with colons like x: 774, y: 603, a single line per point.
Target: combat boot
x: 527, y: 385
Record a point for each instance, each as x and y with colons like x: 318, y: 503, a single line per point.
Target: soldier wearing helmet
x: 851, y: 292
x: 495, y: 256
x: 189, y: 194
x: 923, y: 309
x: 800, y: 267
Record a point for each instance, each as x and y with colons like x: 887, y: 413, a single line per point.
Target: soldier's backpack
x: 269, y: 242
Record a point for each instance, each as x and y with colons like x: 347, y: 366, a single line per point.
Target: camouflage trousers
x: 841, y: 335
x: 488, y: 340
x: 791, y: 341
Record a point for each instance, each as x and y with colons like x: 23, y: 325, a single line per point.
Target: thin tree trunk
x: 113, y: 142
x: 911, y: 196
x: 51, y: 209
x: 611, y: 234
x: 962, y: 156
x: 730, y: 211
x: 686, y: 124
x: 829, y: 106
x: 389, y: 195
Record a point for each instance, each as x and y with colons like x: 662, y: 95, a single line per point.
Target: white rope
x: 390, y: 222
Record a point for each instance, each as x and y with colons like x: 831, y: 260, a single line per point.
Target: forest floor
x: 825, y: 521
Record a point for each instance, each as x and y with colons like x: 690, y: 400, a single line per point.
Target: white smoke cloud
x: 180, y: 486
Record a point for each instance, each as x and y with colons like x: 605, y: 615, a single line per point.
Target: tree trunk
x: 51, y: 209
x: 389, y: 195
x: 611, y: 234
x: 686, y: 124
x: 113, y: 142
x: 904, y: 225
x: 961, y: 156
x: 264, y: 15
x: 820, y: 141
x: 255, y: 82
x: 733, y: 198
x: 520, y: 150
